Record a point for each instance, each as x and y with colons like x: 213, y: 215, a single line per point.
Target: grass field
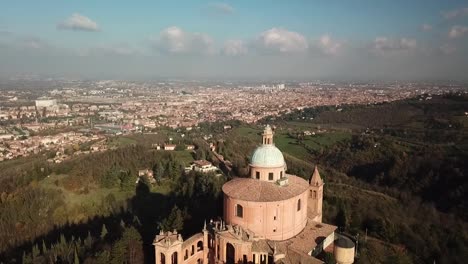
x: 80, y: 205
x: 325, y: 140
x: 248, y: 132
x: 120, y: 142
x: 289, y: 145
x: 165, y: 187
x: 183, y: 156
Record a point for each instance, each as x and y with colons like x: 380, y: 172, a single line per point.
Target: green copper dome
x: 267, y: 156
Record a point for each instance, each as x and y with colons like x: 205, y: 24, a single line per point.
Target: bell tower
x: 316, y: 195
x: 267, y: 136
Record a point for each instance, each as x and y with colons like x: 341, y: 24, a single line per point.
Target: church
x: 270, y: 217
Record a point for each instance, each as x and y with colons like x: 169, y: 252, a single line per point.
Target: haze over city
x: 346, y: 40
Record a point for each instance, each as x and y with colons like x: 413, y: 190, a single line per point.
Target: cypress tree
x: 44, y: 248
x: 76, y: 258
x: 103, y: 231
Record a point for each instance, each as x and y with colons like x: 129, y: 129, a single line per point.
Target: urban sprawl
x: 37, y: 115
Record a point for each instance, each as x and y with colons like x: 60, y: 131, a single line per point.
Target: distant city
x: 50, y: 114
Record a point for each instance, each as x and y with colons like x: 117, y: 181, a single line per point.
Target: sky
x: 274, y: 39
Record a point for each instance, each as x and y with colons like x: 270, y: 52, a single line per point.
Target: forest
x: 395, y: 175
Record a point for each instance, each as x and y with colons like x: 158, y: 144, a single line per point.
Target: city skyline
x: 359, y: 40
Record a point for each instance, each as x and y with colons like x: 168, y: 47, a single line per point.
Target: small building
x: 189, y: 147
x: 156, y: 146
x: 203, y: 166
x: 212, y: 147
x: 169, y: 146
x: 148, y: 174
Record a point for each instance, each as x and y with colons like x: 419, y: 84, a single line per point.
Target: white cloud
x: 457, y: 31
x: 234, y: 48
x: 455, y: 13
x: 78, y: 22
x: 282, y: 40
x: 177, y: 41
x: 426, y: 27
x: 329, y: 46
x: 383, y: 44
x: 222, y: 8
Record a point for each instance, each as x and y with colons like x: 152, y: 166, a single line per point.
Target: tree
x: 35, y: 251
x: 44, y: 248
x: 341, y: 217
x: 88, y: 242
x: 103, y: 231
x: 158, y: 172
x: 134, y: 243
x: 329, y: 258
x: 174, y: 221
x: 76, y: 259
x: 129, y: 248
x: 127, y: 182
x: 111, y: 178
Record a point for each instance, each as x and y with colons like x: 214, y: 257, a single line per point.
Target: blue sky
x: 393, y: 39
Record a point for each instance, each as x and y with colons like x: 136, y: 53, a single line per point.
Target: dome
x: 267, y: 156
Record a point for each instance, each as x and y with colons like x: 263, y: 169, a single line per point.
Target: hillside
x: 381, y: 177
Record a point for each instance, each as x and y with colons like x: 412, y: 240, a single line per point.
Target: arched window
x: 193, y: 250
x: 199, y: 246
x: 315, y: 195
x: 174, y: 258
x: 186, y: 254
x: 281, y: 174
x: 163, y: 258
x: 299, y: 204
x: 239, y: 211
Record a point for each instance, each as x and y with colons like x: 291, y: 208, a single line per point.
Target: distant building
x: 203, y: 166
x: 190, y: 147
x: 148, y: 174
x: 41, y: 103
x: 169, y: 146
x: 156, y: 146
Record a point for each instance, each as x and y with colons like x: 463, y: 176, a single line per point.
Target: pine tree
x: 76, y: 258
x: 44, y: 248
x: 341, y: 218
x: 27, y: 259
x: 175, y: 220
x: 88, y: 242
x: 127, y: 182
x: 35, y: 251
x: 103, y: 231
x: 158, y: 172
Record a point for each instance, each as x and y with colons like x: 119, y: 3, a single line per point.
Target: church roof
x: 344, y: 242
x: 312, y: 235
x: 249, y: 189
x: 267, y: 156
